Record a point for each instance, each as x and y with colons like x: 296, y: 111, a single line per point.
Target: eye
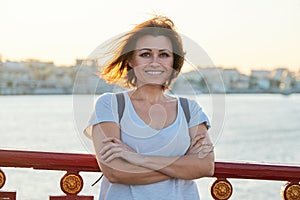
x: 145, y: 54
x: 164, y: 55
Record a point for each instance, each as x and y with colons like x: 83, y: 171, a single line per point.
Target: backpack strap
x: 121, y: 105
x: 183, y: 102
x: 185, y: 106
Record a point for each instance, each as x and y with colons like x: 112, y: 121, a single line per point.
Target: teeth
x: 154, y: 72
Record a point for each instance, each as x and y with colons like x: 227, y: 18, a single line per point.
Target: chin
x: 153, y: 84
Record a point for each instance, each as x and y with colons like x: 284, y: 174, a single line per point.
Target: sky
x: 248, y: 34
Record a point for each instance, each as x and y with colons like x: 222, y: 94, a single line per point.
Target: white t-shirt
x: 173, y: 140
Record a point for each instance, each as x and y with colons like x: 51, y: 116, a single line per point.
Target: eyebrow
x: 148, y: 49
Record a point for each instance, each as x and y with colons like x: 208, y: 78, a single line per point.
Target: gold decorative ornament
x: 2, y: 179
x: 71, y: 183
x: 221, y: 189
x: 291, y: 191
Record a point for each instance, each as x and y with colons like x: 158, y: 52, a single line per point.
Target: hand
x: 115, y: 148
x: 200, y: 146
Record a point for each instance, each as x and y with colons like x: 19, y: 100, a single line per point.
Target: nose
x: 155, y: 61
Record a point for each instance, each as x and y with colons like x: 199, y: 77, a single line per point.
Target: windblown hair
x: 117, y: 70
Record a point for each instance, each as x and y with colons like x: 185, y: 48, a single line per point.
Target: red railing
x: 71, y: 183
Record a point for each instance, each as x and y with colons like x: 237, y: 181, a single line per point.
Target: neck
x: 150, y: 93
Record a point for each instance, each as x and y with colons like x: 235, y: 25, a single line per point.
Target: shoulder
x: 105, y: 96
x: 194, y: 105
x: 198, y: 114
x: 105, y: 99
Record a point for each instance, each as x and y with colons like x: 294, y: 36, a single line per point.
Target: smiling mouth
x: 154, y: 72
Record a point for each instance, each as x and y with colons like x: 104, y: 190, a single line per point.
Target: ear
x: 129, y: 63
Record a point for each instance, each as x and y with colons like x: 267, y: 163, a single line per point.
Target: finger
x: 197, y: 138
x: 113, y: 156
x: 107, y: 147
x: 204, y: 147
x: 201, y: 135
x: 197, y: 144
x: 110, y: 153
x: 207, y: 146
x: 112, y: 139
x: 204, y: 152
x: 108, y: 139
x: 195, y: 148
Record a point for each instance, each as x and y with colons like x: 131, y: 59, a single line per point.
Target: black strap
x: 183, y: 102
x: 97, y: 180
x: 185, y: 106
x: 121, y: 105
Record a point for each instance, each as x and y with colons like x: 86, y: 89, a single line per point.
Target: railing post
x: 221, y: 189
x: 71, y: 184
x: 290, y: 191
x: 5, y: 195
x: 2, y: 178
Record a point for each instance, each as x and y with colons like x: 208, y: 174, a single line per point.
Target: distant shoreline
x: 183, y: 93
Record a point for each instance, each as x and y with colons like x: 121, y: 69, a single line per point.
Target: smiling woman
x: 152, y: 150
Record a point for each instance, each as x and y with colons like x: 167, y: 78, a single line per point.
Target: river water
x: 257, y: 128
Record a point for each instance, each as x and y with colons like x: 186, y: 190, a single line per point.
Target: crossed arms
x: 121, y: 164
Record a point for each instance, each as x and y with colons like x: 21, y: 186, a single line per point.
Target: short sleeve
x: 198, y: 115
x: 105, y: 110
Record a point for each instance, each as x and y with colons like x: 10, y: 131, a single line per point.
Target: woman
x: 151, y: 151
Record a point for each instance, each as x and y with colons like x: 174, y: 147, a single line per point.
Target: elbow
x: 114, y: 176
x: 208, y: 168
x: 111, y: 176
x: 207, y: 171
x: 211, y: 165
x: 110, y: 173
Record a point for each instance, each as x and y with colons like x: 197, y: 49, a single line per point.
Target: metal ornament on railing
x: 2, y: 179
x: 291, y: 191
x: 71, y: 184
x: 221, y: 189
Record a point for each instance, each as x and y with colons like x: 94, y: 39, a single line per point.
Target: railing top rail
x: 87, y: 162
x: 262, y: 171
x: 48, y: 160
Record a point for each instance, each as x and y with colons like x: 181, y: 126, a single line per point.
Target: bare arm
x: 120, y: 170
x: 198, y: 161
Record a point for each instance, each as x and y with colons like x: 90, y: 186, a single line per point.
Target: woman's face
x: 152, y: 60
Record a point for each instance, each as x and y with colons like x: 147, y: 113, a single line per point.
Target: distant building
x: 189, y: 83
x: 212, y: 77
x: 234, y: 80
x: 15, y: 78
x: 260, y: 80
x: 38, y: 77
x: 34, y: 77
x: 87, y: 80
x: 281, y: 79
